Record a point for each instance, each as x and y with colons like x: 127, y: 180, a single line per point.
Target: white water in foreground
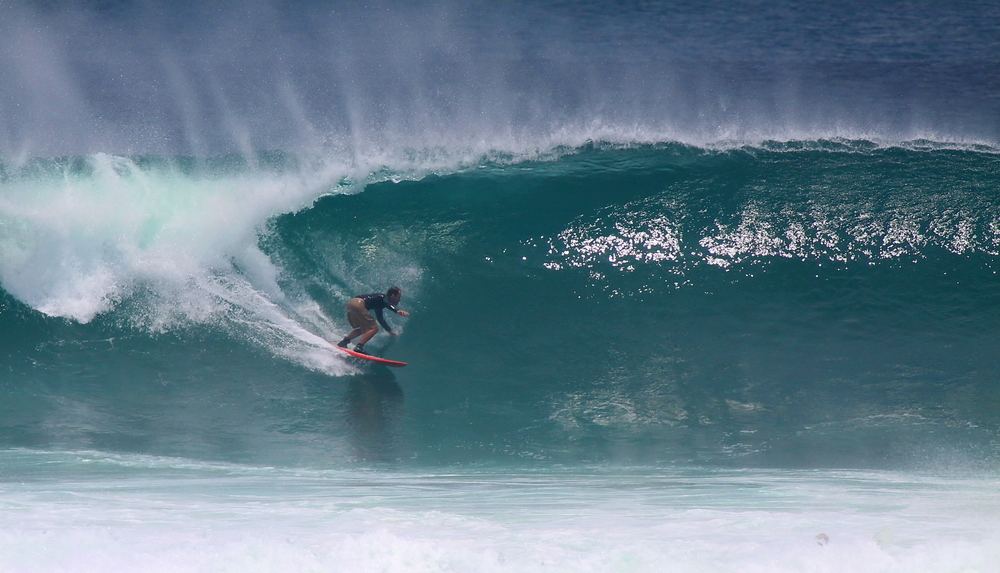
x: 82, y: 512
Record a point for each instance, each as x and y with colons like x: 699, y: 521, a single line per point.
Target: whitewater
x: 693, y: 287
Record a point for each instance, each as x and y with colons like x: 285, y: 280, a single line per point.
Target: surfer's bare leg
x: 365, y: 338
x: 347, y: 339
x: 368, y: 336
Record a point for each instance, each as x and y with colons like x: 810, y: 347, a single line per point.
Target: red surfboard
x: 393, y: 363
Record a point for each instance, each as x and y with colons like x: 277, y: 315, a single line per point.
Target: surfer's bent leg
x: 362, y: 321
x: 367, y: 336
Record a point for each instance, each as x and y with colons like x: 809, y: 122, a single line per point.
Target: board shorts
x: 358, y: 315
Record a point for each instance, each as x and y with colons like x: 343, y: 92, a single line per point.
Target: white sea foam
x: 78, y: 240
x: 185, y: 517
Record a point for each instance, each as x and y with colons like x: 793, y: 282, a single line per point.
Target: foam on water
x: 161, y: 514
x: 178, y: 246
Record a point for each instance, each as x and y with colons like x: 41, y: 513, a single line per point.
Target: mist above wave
x: 182, y: 78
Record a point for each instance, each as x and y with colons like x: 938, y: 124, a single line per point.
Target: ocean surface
x: 694, y: 286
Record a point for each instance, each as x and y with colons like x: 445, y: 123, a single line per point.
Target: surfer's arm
x: 381, y: 320
x: 396, y: 310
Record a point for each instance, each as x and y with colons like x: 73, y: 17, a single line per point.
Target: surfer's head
x: 393, y: 294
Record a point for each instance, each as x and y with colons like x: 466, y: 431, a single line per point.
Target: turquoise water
x: 693, y: 287
x: 814, y: 304
x: 622, y: 358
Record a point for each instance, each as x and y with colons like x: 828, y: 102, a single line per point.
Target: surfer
x: 359, y: 315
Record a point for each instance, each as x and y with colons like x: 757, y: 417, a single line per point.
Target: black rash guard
x: 377, y: 302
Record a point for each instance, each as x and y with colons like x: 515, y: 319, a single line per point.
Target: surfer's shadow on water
x: 373, y: 405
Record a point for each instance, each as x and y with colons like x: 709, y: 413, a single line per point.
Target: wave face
x: 821, y: 303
